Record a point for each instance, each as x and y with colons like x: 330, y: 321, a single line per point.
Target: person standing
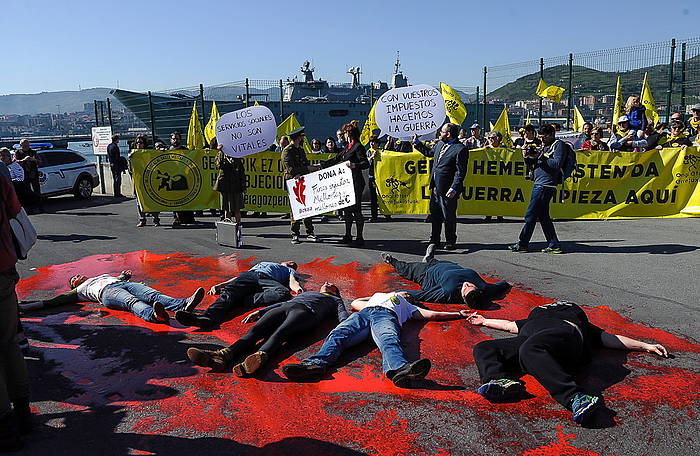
x: 551, y: 342
x: 141, y: 142
x: 374, y: 155
x: 446, y: 183
x: 27, y: 157
x: 475, y: 141
x: 355, y: 156
x: 547, y: 166
x: 295, y: 164
x: 230, y: 182
x: 114, y: 158
x: 181, y: 217
x: 15, y: 415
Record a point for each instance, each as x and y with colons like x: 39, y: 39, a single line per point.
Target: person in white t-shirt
x: 380, y: 316
x: 116, y: 292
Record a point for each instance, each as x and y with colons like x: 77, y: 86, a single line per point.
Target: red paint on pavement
x: 356, y: 407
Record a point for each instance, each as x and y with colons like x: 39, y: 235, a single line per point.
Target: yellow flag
x: 256, y: 104
x: 289, y: 124
x: 527, y: 119
x: 648, y: 102
x: 454, y: 106
x: 578, y: 120
x: 552, y: 92
x: 195, y: 138
x: 210, y: 129
x: 491, y: 126
x: 503, y: 125
x: 619, y: 103
x: 369, y: 126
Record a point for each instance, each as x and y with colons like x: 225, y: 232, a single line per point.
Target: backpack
x: 569, y: 164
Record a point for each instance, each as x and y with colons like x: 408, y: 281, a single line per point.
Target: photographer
x: 530, y: 144
x: 547, y: 164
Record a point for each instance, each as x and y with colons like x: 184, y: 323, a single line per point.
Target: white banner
x: 322, y: 191
x: 246, y: 131
x: 101, y: 138
x: 403, y: 112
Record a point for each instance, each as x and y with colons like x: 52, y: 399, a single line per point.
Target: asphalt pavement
x: 99, y: 377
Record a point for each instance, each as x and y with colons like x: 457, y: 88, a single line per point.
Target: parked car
x: 63, y: 171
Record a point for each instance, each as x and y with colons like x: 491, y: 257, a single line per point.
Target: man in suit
x: 449, y: 168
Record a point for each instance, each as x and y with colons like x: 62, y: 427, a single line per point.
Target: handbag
x: 23, y: 232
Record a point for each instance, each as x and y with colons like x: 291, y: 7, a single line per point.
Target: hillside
x: 49, y: 102
x: 588, y: 81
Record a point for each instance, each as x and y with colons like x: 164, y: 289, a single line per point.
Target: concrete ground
x: 106, y: 382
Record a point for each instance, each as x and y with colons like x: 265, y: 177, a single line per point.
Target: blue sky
x: 50, y: 45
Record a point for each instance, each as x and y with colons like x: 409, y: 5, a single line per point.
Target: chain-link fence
x: 589, y: 80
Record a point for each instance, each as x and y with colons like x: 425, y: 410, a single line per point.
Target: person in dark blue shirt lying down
x: 447, y: 282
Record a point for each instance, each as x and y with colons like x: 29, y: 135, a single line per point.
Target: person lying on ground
x: 380, y: 316
x: 551, y: 342
x: 447, y: 282
x: 264, y: 284
x: 118, y: 293
x: 275, y: 325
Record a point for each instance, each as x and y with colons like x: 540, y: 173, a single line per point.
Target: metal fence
x: 589, y: 80
x: 673, y: 69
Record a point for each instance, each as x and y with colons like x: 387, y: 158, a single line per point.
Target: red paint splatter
x: 358, y: 408
x: 561, y: 447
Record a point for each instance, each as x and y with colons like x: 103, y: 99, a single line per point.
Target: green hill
x: 587, y: 81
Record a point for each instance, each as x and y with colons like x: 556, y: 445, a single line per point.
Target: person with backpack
x: 552, y: 164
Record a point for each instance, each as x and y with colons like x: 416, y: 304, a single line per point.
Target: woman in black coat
x: 355, y: 156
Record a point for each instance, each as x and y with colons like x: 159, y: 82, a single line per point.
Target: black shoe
x: 160, y: 313
x: 190, y: 319
x: 195, y: 299
x: 387, y: 257
x: 359, y: 242
x: 156, y: 222
x: 346, y: 240
x: 517, y: 248
x: 450, y: 247
x: 303, y: 371
x: 9, y: 434
x: 141, y: 223
x: 23, y: 416
x: 410, y: 371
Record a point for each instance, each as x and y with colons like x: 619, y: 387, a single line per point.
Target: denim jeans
x: 380, y: 322
x: 138, y: 299
x: 538, y: 210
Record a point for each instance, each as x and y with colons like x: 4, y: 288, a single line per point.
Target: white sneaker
x: 295, y: 239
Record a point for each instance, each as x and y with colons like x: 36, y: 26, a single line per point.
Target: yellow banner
x: 180, y: 180
x: 608, y: 184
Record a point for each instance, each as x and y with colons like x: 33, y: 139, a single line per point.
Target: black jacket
x: 450, y: 169
x: 357, y: 155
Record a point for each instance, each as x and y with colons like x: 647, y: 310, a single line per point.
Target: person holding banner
x: 355, y: 156
x: 295, y: 164
x: 547, y: 174
x: 475, y: 141
x: 446, y: 183
x: 230, y: 182
x: 446, y: 282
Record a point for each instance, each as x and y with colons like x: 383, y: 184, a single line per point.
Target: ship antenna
x: 398, y: 63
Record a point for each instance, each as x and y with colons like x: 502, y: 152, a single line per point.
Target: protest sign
x: 101, y: 138
x: 604, y: 185
x: 406, y: 111
x: 322, y: 191
x: 246, y: 131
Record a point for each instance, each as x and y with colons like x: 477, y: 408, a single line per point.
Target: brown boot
x: 250, y: 365
x: 213, y: 359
